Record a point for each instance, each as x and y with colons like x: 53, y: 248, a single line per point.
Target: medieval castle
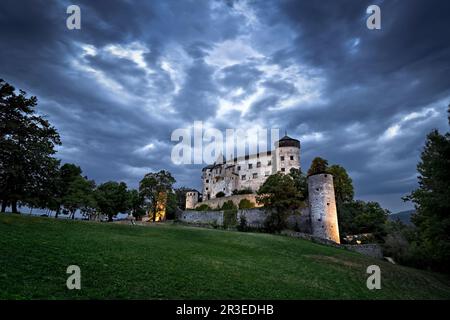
x: 222, y: 181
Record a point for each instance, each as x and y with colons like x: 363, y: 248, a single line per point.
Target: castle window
x: 207, y: 181
x: 282, y: 158
x: 243, y: 177
x: 239, y: 168
x: 258, y: 164
x: 255, y: 175
x: 206, y: 188
x: 292, y: 157
x: 250, y: 165
x: 269, y: 163
x: 283, y: 169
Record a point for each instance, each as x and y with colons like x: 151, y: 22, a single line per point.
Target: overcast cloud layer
x: 117, y: 88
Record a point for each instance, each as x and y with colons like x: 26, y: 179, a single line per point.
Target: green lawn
x: 178, y: 262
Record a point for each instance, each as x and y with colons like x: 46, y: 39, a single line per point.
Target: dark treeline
x: 31, y: 176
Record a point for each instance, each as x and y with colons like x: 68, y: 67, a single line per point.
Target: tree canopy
x: 280, y: 197
x: 152, y: 186
x: 112, y: 198
x: 431, y: 200
x: 318, y: 165
x: 27, y: 143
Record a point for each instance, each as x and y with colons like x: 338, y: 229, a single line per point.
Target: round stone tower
x: 324, y: 221
x: 191, y: 199
x: 287, y: 155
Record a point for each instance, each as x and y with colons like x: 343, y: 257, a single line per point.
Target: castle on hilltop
x: 225, y: 181
x: 249, y: 172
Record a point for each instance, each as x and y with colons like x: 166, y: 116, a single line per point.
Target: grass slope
x: 177, y: 262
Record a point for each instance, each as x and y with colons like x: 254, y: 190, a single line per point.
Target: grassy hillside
x: 168, y: 261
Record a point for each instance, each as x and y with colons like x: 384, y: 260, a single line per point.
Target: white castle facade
x: 251, y: 171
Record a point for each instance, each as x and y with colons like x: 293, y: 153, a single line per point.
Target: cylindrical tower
x: 191, y: 199
x: 324, y: 221
x: 287, y: 154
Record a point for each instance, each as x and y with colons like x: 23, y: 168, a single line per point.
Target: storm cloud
x: 136, y: 71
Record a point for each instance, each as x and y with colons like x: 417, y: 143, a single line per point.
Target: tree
x: 42, y: 193
x: 280, y: 198
x: 431, y: 200
x: 172, y: 205
x: 27, y: 143
x: 343, y: 184
x: 67, y: 174
x: 300, y: 182
x: 152, y: 185
x: 180, y: 194
x: 318, y: 165
x: 79, y: 196
x: 343, y: 191
x: 136, y: 203
x: 362, y: 217
x: 112, y: 198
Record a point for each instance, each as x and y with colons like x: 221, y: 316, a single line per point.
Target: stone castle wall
x: 254, y: 217
x: 217, y: 203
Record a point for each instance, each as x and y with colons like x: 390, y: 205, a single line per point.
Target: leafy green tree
x: 432, y: 203
x: 300, y: 182
x: 79, y: 196
x: 136, y: 203
x: 67, y: 174
x: 42, y: 193
x: 318, y: 165
x: 280, y: 198
x: 152, y: 185
x: 172, y: 205
x: 27, y: 143
x: 343, y: 184
x: 181, y: 197
x: 112, y: 198
x: 343, y: 190
x: 363, y: 217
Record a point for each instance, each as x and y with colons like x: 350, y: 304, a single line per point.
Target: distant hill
x: 403, y: 216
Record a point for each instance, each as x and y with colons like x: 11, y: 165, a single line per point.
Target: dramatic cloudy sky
x: 117, y: 88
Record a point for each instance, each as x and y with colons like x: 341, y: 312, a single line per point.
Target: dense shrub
x: 203, y: 207
x: 220, y: 194
x: 242, y: 191
x: 246, y: 204
x: 228, y: 205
